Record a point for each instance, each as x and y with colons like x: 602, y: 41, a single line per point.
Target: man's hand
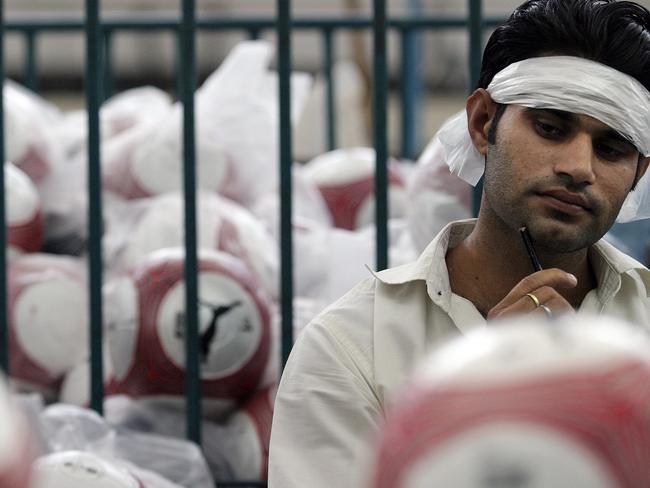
x: 543, y: 285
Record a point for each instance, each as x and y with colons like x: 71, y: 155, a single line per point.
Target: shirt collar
x: 431, y: 265
x: 609, y: 264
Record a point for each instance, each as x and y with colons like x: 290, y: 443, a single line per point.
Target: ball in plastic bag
x: 345, y: 178
x: 48, y: 317
x: 17, y: 445
x: 24, y: 214
x: 525, y: 404
x: 79, y: 469
x: 147, y: 333
x: 251, y: 426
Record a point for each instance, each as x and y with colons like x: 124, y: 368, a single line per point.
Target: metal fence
x: 99, y: 35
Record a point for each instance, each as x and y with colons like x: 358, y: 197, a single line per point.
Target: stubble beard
x: 554, y: 232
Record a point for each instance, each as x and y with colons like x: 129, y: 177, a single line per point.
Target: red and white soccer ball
x: 148, y: 225
x: 525, y: 403
x: 17, y: 445
x: 24, y: 214
x: 81, y: 469
x: 146, y: 332
x: 345, y: 178
x: 147, y: 159
x: 31, y: 142
x: 48, y: 320
x: 251, y: 427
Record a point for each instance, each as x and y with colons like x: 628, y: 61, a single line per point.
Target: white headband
x: 571, y: 84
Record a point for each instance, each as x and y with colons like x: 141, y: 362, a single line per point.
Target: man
x: 560, y: 125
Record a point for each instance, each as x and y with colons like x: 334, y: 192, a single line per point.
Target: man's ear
x: 480, y: 112
x: 641, y: 169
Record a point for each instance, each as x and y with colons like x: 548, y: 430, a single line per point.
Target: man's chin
x: 561, y: 238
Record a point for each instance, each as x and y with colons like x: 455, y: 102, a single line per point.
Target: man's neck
x: 492, y: 260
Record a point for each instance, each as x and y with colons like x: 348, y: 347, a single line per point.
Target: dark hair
x: 613, y: 33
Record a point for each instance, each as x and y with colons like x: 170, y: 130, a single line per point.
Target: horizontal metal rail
x: 258, y: 23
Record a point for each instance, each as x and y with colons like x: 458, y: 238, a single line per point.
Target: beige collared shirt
x: 347, y: 362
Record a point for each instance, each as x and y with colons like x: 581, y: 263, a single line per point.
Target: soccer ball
x: 31, y: 142
x: 24, y: 215
x: 79, y: 469
x: 345, y: 178
x: 146, y: 334
x: 250, y: 427
x: 48, y: 320
x: 17, y: 445
x: 139, y: 228
x: 525, y: 403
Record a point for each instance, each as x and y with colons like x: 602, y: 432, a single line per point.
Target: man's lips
x: 566, y: 201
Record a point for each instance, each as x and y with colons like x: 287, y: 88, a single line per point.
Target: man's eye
x: 608, y: 151
x: 548, y: 130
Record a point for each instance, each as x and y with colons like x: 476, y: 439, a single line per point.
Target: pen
x: 529, y: 248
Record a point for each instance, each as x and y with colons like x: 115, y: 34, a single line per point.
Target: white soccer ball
x: 48, y: 319
x: 146, y: 333
x: 525, y: 403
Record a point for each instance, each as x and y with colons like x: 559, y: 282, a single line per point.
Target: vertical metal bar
x: 107, y: 43
x: 253, y: 34
x: 330, y: 100
x: 4, y: 324
x: 286, y: 159
x: 31, y: 72
x: 411, y: 93
x: 475, y: 26
x: 93, y: 94
x: 188, y: 77
x: 380, y: 95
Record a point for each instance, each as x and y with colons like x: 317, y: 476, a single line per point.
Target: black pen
x: 529, y: 248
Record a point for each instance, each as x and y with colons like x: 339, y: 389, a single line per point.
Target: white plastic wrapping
x: 24, y: 213
x: 329, y: 261
x: 307, y: 202
x: 435, y: 196
x: 18, y: 444
x: 117, y: 114
x: 345, y: 178
x: 136, y: 228
x: 234, y: 449
x: 69, y: 428
x: 236, y: 135
x: 31, y: 144
x: 570, y: 84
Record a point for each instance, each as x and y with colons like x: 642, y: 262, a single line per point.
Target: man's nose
x: 576, y: 161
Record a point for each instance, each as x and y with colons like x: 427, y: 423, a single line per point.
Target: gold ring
x: 534, y: 299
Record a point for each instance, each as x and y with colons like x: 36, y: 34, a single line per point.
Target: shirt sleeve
x: 325, y: 415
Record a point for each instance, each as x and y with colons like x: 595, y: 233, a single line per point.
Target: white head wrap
x: 570, y: 84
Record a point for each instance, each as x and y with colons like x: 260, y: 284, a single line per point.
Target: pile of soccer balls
x: 238, y: 252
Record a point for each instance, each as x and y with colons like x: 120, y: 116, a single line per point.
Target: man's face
x: 565, y: 176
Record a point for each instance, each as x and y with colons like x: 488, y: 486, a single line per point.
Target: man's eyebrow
x: 608, y: 133
x: 561, y: 114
